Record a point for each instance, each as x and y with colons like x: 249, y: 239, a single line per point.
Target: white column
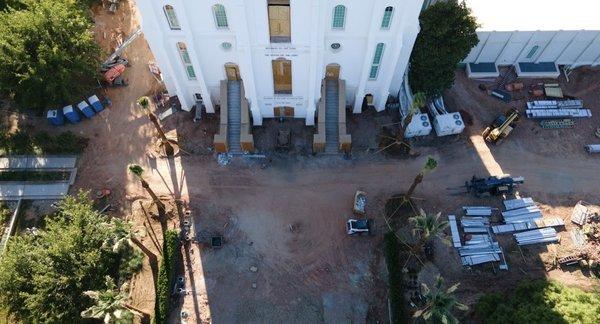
x: 244, y: 50
x: 317, y: 38
x: 368, y: 60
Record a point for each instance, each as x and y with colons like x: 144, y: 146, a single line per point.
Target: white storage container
x: 448, y: 124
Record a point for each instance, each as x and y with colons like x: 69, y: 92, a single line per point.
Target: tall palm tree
x: 439, y: 304
x: 427, y: 226
x: 138, y: 171
x: 144, y: 102
x: 419, y: 100
x: 429, y: 166
x: 110, y: 304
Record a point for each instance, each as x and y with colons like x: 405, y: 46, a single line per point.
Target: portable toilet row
x: 57, y: 116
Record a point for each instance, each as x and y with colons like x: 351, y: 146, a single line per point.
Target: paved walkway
x: 21, y: 162
x: 33, y: 191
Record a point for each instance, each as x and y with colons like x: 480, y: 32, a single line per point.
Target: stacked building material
x: 480, y: 248
x: 556, y: 109
x: 517, y: 227
x: 477, y: 210
x: 518, y: 203
x: 544, y: 235
x: 454, y: 231
x: 521, y: 215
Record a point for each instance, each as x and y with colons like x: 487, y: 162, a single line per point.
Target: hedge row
x: 395, y: 281
x: 41, y: 143
x: 165, y: 281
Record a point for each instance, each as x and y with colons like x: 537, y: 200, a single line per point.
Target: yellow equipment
x: 501, y: 127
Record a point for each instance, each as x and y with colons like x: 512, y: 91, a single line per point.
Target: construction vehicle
x: 501, y: 127
x: 114, y: 66
x: 493, y: 186
x: 114, y: 76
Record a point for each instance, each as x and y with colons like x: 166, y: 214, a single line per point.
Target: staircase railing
x: 319, y: 137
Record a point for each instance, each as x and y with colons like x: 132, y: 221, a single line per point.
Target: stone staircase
x: 234, y: 116
x: 332, y: 140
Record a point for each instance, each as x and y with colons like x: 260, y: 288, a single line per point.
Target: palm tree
x: 419, y: 100
x: 124, y: 236
x: 427, y: 226
x: 144, y: 102
x: 137, y: 170
x: 439, y: 304
x: 429, y: 166
x: 110, y: 304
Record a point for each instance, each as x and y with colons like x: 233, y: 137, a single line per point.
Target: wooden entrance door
x: 279, y: 21
x: 332, y: 72
x: 282, y: 76
x: 232, y: 72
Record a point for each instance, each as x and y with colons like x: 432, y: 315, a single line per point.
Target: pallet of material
x: 479, y: 239
x: 517, y: 227
x: 478, y: 229
x: 544, y: 235
x: 454, y: 231
x: 479, y: 259
x: 555, y: 104
x: 558, y: 113
x: 518, y: 203
x: 580, y: 214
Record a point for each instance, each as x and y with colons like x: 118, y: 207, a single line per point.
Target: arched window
x: 386, y: 22
x: 376, y: 61
x: 171, y: 17
x: 220, y: 16
x: 187, y: 62
x: 532, y: 51
x: 339, y: 17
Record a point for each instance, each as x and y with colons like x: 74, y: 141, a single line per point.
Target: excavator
x: 501, y: 127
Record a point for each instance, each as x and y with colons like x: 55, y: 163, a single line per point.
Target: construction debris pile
x: 557, y: 109
x: 586, y: 238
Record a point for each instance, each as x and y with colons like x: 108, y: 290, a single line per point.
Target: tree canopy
x: 446, y: 38
x: 48, y: 56
x: 540, y: 302
x: 43, y: 277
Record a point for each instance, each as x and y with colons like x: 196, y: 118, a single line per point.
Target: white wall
x: 309, y: 51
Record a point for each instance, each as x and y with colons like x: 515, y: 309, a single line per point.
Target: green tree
x: 430, y: 165
x: 428, y: 226
x: 439, y: 304
x: 447, y: 36
x: 48, y: 56
x: 43, y: 276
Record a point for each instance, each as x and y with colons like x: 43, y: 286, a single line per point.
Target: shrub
x: 395, y: 283
x: 40, y: 143
x: 540, y: 302
x: 165, y: 276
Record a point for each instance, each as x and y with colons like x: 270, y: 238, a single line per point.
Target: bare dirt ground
x: 315, y: 272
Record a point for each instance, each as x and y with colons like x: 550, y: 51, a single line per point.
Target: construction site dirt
x: 285, y: 255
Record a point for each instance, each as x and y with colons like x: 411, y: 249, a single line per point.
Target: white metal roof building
x: 536, y: 36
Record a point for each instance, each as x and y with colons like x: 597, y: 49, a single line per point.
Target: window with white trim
x: 187, y: 62
x: 172, y: 17
x: 220, y: 16
x: 386, y: 22
x: 339, y: 17
x: 376, y: 61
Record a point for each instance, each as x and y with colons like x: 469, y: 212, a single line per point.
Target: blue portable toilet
x: 55, y: 117
x: 71, y: 114
x: 96, y: 104
x: 86, y: 109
